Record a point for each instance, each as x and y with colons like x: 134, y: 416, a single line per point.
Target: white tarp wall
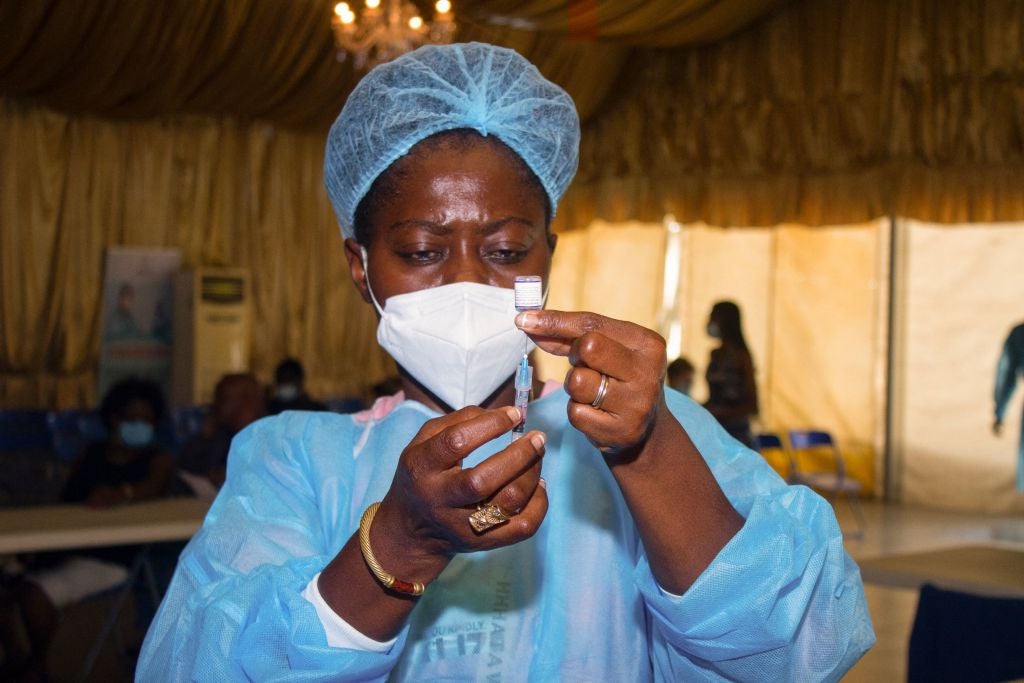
x: 813, y: 302
x: 615, y: 270
x: 963, y: 290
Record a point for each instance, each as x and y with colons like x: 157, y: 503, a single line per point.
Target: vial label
x: 529, y: 292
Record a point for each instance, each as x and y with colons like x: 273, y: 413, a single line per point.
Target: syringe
x: 524, y: 382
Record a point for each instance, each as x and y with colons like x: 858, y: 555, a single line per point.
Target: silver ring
x: 602, y: 391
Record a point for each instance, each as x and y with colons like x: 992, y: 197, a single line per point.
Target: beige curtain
x: 274, y: 59
x: 200, y: 125
x: 269, y: 59
x: 222, y: 192
x: 614, y: 270
x: 814, y: 306
x: 961, y: 292
x: 734, y: 112
x: 814, y: 311
x: 828, y: 337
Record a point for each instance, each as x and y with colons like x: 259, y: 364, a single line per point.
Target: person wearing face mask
x: 732, y: 390
x: 624, y: 536
x: 289, y: 392
x: 128, y: 466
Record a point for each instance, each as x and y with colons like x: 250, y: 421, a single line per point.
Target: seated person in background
x: 128, y: 466
x: 679, y: 375
x: 289, y: 393
x: 238, y: 400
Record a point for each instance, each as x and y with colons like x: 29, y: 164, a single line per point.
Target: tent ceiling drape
x: 735, y: 112
x: 273, y: 59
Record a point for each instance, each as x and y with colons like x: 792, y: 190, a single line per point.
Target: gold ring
x: 602, y: 391
x: 487, y: 516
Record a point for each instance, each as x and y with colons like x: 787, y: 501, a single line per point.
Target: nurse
x: 625, y: 537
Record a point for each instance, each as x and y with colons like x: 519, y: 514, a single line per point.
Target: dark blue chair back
x: 24, y: 430
x: 345, y: 405
x: 768, y: 440
x: 72, y: 430
x: 29, y: 474
x: 809, y: 438
x: 188, y: 421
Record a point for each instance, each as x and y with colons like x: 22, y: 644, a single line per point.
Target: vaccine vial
x: 529, y: 294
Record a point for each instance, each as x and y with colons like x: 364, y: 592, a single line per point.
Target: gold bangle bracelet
x: 388, y: 580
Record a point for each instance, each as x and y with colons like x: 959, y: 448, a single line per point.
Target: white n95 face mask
x: 459, y: 340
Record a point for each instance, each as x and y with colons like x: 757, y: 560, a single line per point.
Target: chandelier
x: 385, y: 29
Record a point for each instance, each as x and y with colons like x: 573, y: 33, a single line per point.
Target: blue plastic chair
x: 24, y: 430
x: 768, y: 440
x: 188, y: 422
x: 765, y: 443
x: 29, y: 472
x: 72, y: 430
x: 832, y: 481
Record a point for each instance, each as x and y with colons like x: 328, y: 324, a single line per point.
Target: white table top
x: 983, y: 570
x: 66, y: 527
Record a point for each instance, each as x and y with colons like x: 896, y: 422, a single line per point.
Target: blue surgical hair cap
x: 437, y: 88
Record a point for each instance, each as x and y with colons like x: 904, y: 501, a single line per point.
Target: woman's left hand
x: 634, y: 426
x: 630, y: 356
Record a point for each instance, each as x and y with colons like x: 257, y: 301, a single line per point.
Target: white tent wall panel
x: 814, y: 309
x: 964, y: 291
x: 826, y: 323
x: 815, y: 303
x: 811, y: 303
x: 614, y: 270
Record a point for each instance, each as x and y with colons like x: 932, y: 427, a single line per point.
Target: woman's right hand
x: 423, y: 520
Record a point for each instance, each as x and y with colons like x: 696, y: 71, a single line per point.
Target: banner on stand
x: 138, y: 317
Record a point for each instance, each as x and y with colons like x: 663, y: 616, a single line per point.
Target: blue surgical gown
x: 576, y: 602
x: 1011, y: 366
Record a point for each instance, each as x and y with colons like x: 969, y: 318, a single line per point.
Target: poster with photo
x: 137, y: 315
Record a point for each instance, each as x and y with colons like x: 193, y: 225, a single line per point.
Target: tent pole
x: 892, y: 458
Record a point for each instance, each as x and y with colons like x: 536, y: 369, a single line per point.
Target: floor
x: 895, y: 529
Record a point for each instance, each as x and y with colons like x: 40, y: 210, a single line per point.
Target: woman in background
x: 732, y: 391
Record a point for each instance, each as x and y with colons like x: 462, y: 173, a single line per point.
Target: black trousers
x: 964, y: 637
